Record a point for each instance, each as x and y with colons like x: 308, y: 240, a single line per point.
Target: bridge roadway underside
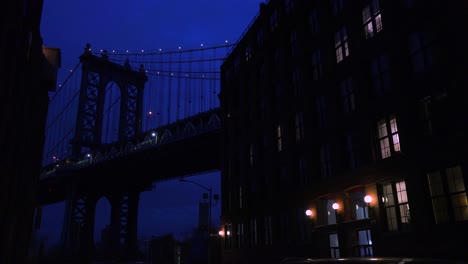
x: 137, y: 171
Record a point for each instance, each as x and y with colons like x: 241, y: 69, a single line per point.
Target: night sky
x: 171, y: 206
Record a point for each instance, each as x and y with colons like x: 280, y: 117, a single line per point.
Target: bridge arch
x: 97, y: 73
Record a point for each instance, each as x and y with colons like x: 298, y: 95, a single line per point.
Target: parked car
x: 370, y: 260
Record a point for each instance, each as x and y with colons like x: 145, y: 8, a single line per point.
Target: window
x: 228, y: 236
x: 241, y: 202
x: 248, y: 53
x: 296, y: 82
x: 395, y: 205
x: 316, y: 65
x: 347, y: 95
x: 334, y: 245
x: 325, y: 161
x: 304, y: 225
x: 313, y: 21
x: 253, y: 232
x: 240, y: 235
x: 448, y: 192
x: 289, y: 5
x: 321, y: 111
x: 278, y: 89
x: 329, y: 212
x: 388, y: 140
x: 420, y: 52
x: 268, y: 231
x: 365, y: 243
x: 299, y: 126
x: 303, y: 179
x: 353, y: 151
x: 251, y: 155
x: 380, y: 70
x: 425, y: 114
x: 279, y: 138
x: 341, y: 45
x: 371, y: 19
x: 236, y: 64
x: 337, y: 6
x: 273, y: 20
x: 260, y: 37
x: 293, y: 43
x: 359, y: 207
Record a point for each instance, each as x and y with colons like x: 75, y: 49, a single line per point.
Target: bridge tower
x: 78, y: 231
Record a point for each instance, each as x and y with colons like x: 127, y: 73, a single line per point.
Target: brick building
x: 326, y: 102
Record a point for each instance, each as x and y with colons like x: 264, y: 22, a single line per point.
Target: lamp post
x: 209, y: 211
x: 367, y: 200
x: 335, y: 207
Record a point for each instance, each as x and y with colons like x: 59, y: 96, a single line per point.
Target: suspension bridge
x: 122, y: 120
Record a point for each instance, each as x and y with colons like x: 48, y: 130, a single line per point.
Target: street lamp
x: 335, y: 207
x: 367, y: 200
x: 209, y: 210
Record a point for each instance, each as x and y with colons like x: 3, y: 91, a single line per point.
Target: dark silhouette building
x: 327, y: 102
x: 26, y: 78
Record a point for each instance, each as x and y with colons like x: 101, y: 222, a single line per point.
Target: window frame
x: 398, y: 200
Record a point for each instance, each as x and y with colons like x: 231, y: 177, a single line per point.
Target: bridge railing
x: 181, y: 130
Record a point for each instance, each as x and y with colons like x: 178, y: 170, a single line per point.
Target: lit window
x: 449, y: 199
x: 371, y: 19
x: 341, y: 45
x: 347, y: 94
x: 365, y: 243
x: 329, y: 214
x: 388, y: 139
x: 334, y: 245
x: 299, y: 126
x: 359, y: 207
x: 279, y: 138
x: 395, y: 203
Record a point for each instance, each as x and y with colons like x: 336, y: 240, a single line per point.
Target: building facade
x: 327, y: 102
x: 25, y: 82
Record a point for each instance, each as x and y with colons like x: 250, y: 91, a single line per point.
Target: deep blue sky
x: 135, y: 25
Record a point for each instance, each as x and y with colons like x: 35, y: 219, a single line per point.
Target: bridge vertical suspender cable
x: 169, y: 88
x: 202, y: 79
x: 178, y: 84
x: 190, y: 85
x: 160, y: 88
